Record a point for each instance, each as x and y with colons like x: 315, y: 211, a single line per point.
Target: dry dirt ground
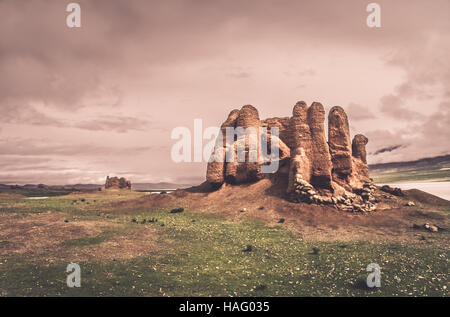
x: 393, y: 222
x: 42, y: 236
x: 202, y: 251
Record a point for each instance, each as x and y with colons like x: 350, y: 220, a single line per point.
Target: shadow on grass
x: 361, y: 284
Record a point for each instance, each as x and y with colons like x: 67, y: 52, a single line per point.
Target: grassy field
x: 197, y: 254
x: 414, y: 175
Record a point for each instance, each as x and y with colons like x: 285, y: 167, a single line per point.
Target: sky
x: 77, y: 104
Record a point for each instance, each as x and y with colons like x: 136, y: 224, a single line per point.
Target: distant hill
x: 426, y: 169
x: 89, y: 187
x: 161, y: 185
x: 425, y: 163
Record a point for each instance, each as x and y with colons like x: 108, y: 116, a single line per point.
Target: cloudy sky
x: 77, y: 104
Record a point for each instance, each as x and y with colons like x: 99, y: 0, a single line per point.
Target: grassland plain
x: 413, y: 175
x: 192, y: 254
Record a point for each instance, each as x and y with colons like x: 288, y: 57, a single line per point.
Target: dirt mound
x: 426, y: 198
x: 264, y: 200
x: 46, y: 236
x: 39, y: 232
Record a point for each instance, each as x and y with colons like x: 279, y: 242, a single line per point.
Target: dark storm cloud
x: 137, y: 54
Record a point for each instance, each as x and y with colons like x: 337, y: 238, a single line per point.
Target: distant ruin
x: 333, y: 172
x: 117, y: 183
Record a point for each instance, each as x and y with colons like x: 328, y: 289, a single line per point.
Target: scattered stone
x: 66, y: 221
x: 410, y: 204
x: 153, y: 220
x: 143, y: 221
x: 316, y: 250
x: 281, y: 220
x: 243, y: 210
x: 260, y: 287
x: 176, y: 210
x: 261, y: 208
x: 248, y: 249
x: 431, y: 228
x: 134, y: 220
x: 393, y: 191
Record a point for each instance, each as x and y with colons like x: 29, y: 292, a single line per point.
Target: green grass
x: 85, y: 241
x: 75, y: 204
x: 202, y: 255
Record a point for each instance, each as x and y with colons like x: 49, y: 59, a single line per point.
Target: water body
x: 440, y: 189
x: 157, y: 191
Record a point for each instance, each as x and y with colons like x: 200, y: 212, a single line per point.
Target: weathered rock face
x: 117, y: 183
x: 319, y: 171
x: 339, y: 141
x: 321, y: 159
x: 248, y: 117
x: 359, y: 147
x: 215, y: 173
x: 236, y: 158
x: 340, y: 146
x: 300, y: 142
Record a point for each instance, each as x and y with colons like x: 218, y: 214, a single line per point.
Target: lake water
x: 440, y: 189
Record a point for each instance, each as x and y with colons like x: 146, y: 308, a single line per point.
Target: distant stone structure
x: 117, y: 183
x: 318, y: 171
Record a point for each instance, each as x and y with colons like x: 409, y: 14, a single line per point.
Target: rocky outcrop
x: 392, y: 190
x: 359, y: 147
x: 300, y: 142
x: 237, y: 157
x: 321, y: 158
x: 117, y: 183
x: 317, y: 170
x: 215, y: 174
x: 339, y: 142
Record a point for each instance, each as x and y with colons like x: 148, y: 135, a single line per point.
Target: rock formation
x: 333, y: 172
x: 321, y: 159
x: 339, y: 141
x: 359, y: 147
x: 117, y: 183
